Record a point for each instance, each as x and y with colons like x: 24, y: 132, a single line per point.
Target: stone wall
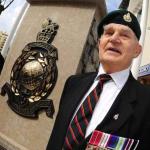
x: 89, y: 61
x: 16, y: 132
x: 74, y: 1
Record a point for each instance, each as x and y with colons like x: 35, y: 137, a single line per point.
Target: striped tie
x: 76, y: 130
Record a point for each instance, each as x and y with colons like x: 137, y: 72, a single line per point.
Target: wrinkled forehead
x: 118, y: 27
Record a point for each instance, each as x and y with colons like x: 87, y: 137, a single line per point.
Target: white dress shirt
x: 109, y: 93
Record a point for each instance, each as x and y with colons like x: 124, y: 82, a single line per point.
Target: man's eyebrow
x: 126, y: 31
x: 105, y: 27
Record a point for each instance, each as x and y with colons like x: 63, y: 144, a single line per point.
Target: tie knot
x: 104, y: 78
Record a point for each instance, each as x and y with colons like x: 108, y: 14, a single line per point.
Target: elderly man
x: 108, y: 109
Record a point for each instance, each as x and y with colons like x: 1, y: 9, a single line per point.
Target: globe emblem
x: 31, y: 75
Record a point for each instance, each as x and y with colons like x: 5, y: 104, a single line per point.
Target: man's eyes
x: 108, y: 33
x: 125, y: 35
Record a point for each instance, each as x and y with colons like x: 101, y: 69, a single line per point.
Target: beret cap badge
x: 127, y: 17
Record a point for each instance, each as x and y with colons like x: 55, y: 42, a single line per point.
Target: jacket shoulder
x: 81, y: 76
x: 142, y: 87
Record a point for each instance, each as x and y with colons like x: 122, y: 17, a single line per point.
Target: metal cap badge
x: 127, y: 17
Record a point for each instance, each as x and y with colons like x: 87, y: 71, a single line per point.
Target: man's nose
x: 115, y: 38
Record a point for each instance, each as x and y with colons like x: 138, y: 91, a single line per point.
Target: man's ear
x: 98, y: 42
x: 138, y: 50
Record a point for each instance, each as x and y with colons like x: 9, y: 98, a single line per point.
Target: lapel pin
x: 116, y: 116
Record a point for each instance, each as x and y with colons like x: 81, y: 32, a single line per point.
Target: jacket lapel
x: 77, y: 89
x: 121, y: 110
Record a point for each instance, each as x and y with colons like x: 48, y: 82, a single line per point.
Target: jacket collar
x: 119, y: 77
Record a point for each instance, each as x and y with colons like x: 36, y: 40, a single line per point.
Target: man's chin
x: 110, y: 61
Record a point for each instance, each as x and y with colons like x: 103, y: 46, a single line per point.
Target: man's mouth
x: 114, y: 50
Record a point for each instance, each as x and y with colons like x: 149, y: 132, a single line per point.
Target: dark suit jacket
x: 132, y: 104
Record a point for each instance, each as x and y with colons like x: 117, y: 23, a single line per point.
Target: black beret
x: 123, y: 17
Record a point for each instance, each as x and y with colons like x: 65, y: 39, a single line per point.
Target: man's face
x: 118, y: 45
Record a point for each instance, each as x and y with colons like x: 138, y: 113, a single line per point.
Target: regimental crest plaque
x: 34, y: 75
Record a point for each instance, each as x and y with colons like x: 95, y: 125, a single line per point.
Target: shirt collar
x: 119, y: 78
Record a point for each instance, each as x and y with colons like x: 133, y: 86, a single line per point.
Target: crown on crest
x: 49, y: 30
